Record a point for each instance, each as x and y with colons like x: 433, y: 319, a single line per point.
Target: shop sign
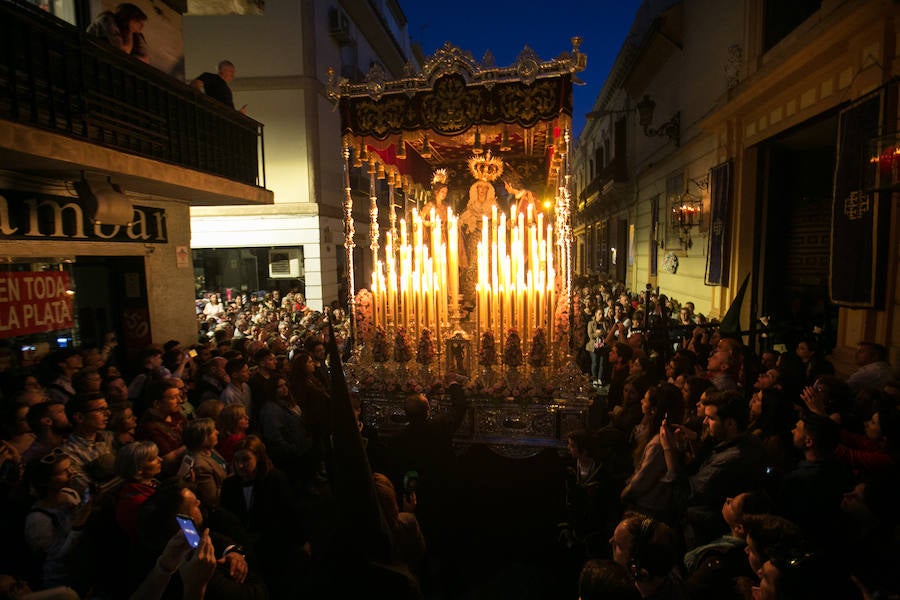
x: 34, y: 302
x: 27, y: 216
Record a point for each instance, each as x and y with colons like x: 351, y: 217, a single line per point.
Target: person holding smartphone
x: 645, y: 491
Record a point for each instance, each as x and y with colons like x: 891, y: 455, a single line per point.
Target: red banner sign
x: 34, y: 302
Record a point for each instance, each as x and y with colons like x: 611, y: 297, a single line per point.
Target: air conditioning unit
x: 285, y: 263
x: 339, y: 26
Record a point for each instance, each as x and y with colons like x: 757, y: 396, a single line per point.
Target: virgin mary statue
x: 482, y: 197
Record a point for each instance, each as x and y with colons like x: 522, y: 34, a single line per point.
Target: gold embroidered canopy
x: 457, y: 107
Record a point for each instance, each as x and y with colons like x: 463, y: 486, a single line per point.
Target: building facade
x: 297, y: 243
x: 751, y: 140
x: 103, y: 156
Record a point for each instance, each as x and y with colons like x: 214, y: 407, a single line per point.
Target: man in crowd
x: 874, y: 370
x: 724, y: 364
x: 733, y: 465
x: 238, y: 390
x: 90, y: 446
x: 49, y: 423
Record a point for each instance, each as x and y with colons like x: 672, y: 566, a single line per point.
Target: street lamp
x: 671, y: 128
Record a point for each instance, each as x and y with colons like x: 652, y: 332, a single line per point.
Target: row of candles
x: 416, y: 284
x: 515, y: 287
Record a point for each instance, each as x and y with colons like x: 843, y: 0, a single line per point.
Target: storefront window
x: 37, y: 307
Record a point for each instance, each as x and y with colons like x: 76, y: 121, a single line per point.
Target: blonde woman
x: 209, y: 467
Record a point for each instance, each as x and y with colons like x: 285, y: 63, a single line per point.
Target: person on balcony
x: 215, y: 85
x: 122, y: 29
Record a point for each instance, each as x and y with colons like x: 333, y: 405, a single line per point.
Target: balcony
x: 614, y: 171
x: 57, y: 81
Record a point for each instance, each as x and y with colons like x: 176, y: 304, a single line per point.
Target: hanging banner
x: 721, y: 194
x: 860, y: 216
x: 34, y: 302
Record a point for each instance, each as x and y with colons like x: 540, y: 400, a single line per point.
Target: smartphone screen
x: 189, y: 530
x: 192, y: 353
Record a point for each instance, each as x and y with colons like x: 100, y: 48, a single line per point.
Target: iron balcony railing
x: 58, y: 78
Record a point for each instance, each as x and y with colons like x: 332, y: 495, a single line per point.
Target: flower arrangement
x: 380, y: 346
x: 487, y: 351
x: 512, y: 351
x: 365, y: 329
x: 425, y: 350
x: 670, y: 263
x: 402, y: 351
x: 537, y: 357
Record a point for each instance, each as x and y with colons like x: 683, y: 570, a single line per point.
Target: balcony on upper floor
x: 70, y: 104
x: 614, y: 171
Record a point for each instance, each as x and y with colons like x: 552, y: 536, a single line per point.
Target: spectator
x: 232, y: 424
x: 123, y: 424
x: 647, y: 548
x: 734, y: 464
x: 213, y: 380
x: 281, y: 428
x: 90, y: 445
x: 406, y: 535
x: 209, y: 470
x: 606, y: 580
x: 122, y: 29
x: 215, y: 85
x: 50, y: 425
x: 157, y: 525
x: 151, y: 371
x: 713, y: 568
x: 261, y: 497
x: 54, y: 522
x: 65, y: 363
x: 163, y: 423
x: 139, y: 464
x: 813, y: 364
x: 724, y: 364
x: 645, y: 491
x: 238, y: 390
x: 811, y: 494
x: 874, y: 370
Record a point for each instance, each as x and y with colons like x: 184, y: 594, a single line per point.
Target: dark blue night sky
x: 505, y: 27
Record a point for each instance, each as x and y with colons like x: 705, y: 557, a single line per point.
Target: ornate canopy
x: 456, y: 107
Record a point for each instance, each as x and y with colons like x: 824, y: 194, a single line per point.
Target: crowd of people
x: 238, y: 432
x: 705, y: 471
x: 717, y: 472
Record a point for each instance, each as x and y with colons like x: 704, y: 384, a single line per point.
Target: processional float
x: 464, y: 168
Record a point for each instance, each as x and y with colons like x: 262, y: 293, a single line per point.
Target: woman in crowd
x: 314, y: 400
x: 281, y: 427
x: 122, y: 423
x: 261, y: 497
x: 596, y: 332
x: 645, y: 491
x: 812, y: 363
x: 163, y: 423
x: 209, y: 468
x: 406, y: 535
x: 233, y: 423
x: 771, y: 419
x: 139, y: 464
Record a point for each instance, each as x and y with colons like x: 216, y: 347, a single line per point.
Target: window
x: 63, y: 9
x: 781, y: 18
x: 674, y: 194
